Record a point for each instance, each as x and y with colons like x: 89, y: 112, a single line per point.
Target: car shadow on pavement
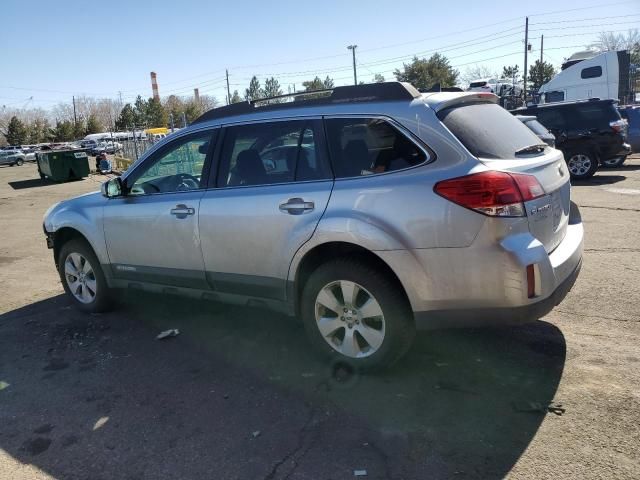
x: 31, y: 183
x: 599, y: 179
x: 239, y: 394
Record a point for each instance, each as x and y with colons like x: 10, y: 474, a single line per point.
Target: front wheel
x: 356, y: 314
x: 19, y: 162
x: 82, y: 277
x: 582, y: 164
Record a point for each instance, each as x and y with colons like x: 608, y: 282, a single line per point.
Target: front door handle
x: 182, y: 211
x: 296, y: 206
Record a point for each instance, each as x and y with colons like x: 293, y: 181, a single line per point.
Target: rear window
x: 488, y: 130
x: 591, y: 114
x: 477, y: 84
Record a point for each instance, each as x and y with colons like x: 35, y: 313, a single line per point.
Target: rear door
x: 273, y: 186
x: 500, y: 142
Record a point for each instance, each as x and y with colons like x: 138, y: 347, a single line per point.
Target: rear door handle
x: 182, y: 211
x: 296, y: 206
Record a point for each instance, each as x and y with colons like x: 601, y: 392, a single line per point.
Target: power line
x: 588, y: 7
x: 576, y: 20
x: 584, y: 26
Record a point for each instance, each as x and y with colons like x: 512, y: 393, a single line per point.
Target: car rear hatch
x: 503, y: 143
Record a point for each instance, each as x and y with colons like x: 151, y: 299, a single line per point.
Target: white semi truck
x: 591, y: 75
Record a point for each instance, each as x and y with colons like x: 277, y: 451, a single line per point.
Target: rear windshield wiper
x: 537, y: 148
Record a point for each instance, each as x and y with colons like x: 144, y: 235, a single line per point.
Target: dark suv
x: 589, y: 133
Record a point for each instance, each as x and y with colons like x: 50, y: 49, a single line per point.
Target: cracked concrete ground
x: 239, y: 395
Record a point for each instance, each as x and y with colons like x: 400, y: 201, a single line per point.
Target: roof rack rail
x: 386, y: 91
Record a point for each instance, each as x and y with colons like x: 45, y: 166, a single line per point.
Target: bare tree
x: 608, y: 41
x: 476, y: 72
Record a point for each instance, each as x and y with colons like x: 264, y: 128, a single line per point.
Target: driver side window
x: 178, y: 167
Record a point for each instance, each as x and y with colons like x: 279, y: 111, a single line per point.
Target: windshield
x: 488, y: 130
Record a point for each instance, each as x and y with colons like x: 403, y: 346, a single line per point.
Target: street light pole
x: 353, y: 51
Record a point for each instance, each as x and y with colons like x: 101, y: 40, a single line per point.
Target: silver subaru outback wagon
x: 367, y: 211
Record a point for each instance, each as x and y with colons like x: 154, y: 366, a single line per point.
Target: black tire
x: 399, y: 325
x: 19, y: 162
x: 614, y: 162
x: 586, y: 162
x: 102, y: 296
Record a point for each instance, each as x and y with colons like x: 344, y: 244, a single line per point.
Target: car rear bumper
x: 622, y: 151
x: 500, y: 316
x: 486, y: 283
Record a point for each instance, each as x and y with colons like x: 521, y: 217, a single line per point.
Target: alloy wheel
x: 579, y: 164
x: 80, y: 278
x: 350, y: 319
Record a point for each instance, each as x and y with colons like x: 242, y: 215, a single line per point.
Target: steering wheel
x: 187, y: 182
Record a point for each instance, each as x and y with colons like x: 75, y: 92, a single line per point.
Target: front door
x: 152, y: 231
x: 273, y: 186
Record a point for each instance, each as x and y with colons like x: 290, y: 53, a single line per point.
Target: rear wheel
x: 82, y: 276
x: 355, y: 314
x: 582, y: 163
x: 614, y: 162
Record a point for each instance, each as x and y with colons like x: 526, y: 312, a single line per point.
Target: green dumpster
x: 63, y: 165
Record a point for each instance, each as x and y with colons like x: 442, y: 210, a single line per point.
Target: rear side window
x: 488, y: 130
x: 591, y: 72
x: 593, y: 114
x: 557, y: 96
x: 272, y: 152
x: 364, y: 146
x: 551, y: 118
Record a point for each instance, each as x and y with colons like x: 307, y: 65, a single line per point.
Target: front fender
x: 85, y: 215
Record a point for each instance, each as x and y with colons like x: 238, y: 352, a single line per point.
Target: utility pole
x: 526, y: 51
x: 228, y: 89
x: 541, y: 47
x: 184, y: 120
x: 75, y: 118
x: 353, y: 51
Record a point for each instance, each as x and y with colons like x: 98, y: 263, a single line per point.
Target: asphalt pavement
x: 238, y: 394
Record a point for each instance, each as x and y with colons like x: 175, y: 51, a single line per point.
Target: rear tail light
x: 618, y: 126
x: 492, y: 193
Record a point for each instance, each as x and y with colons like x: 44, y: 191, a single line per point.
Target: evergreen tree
x: 93, y: 125
x: 540, y: 73
x: 254, y: 92
x: 16, y: 132
x: 424, y: 74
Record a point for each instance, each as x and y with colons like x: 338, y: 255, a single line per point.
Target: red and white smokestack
x: 154, y: 86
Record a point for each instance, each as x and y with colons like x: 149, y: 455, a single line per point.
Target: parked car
x: 414, y: 211
x: 106, y: 147
x: 29, y: 154
x: 12, y: 157
x: 540, y: 130
x: 631, y: 113
x: 589, y: 133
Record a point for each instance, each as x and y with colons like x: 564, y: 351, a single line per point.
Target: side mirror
x: 112, y: 188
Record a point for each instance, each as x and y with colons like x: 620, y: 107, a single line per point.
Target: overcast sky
x: 53, y: 50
